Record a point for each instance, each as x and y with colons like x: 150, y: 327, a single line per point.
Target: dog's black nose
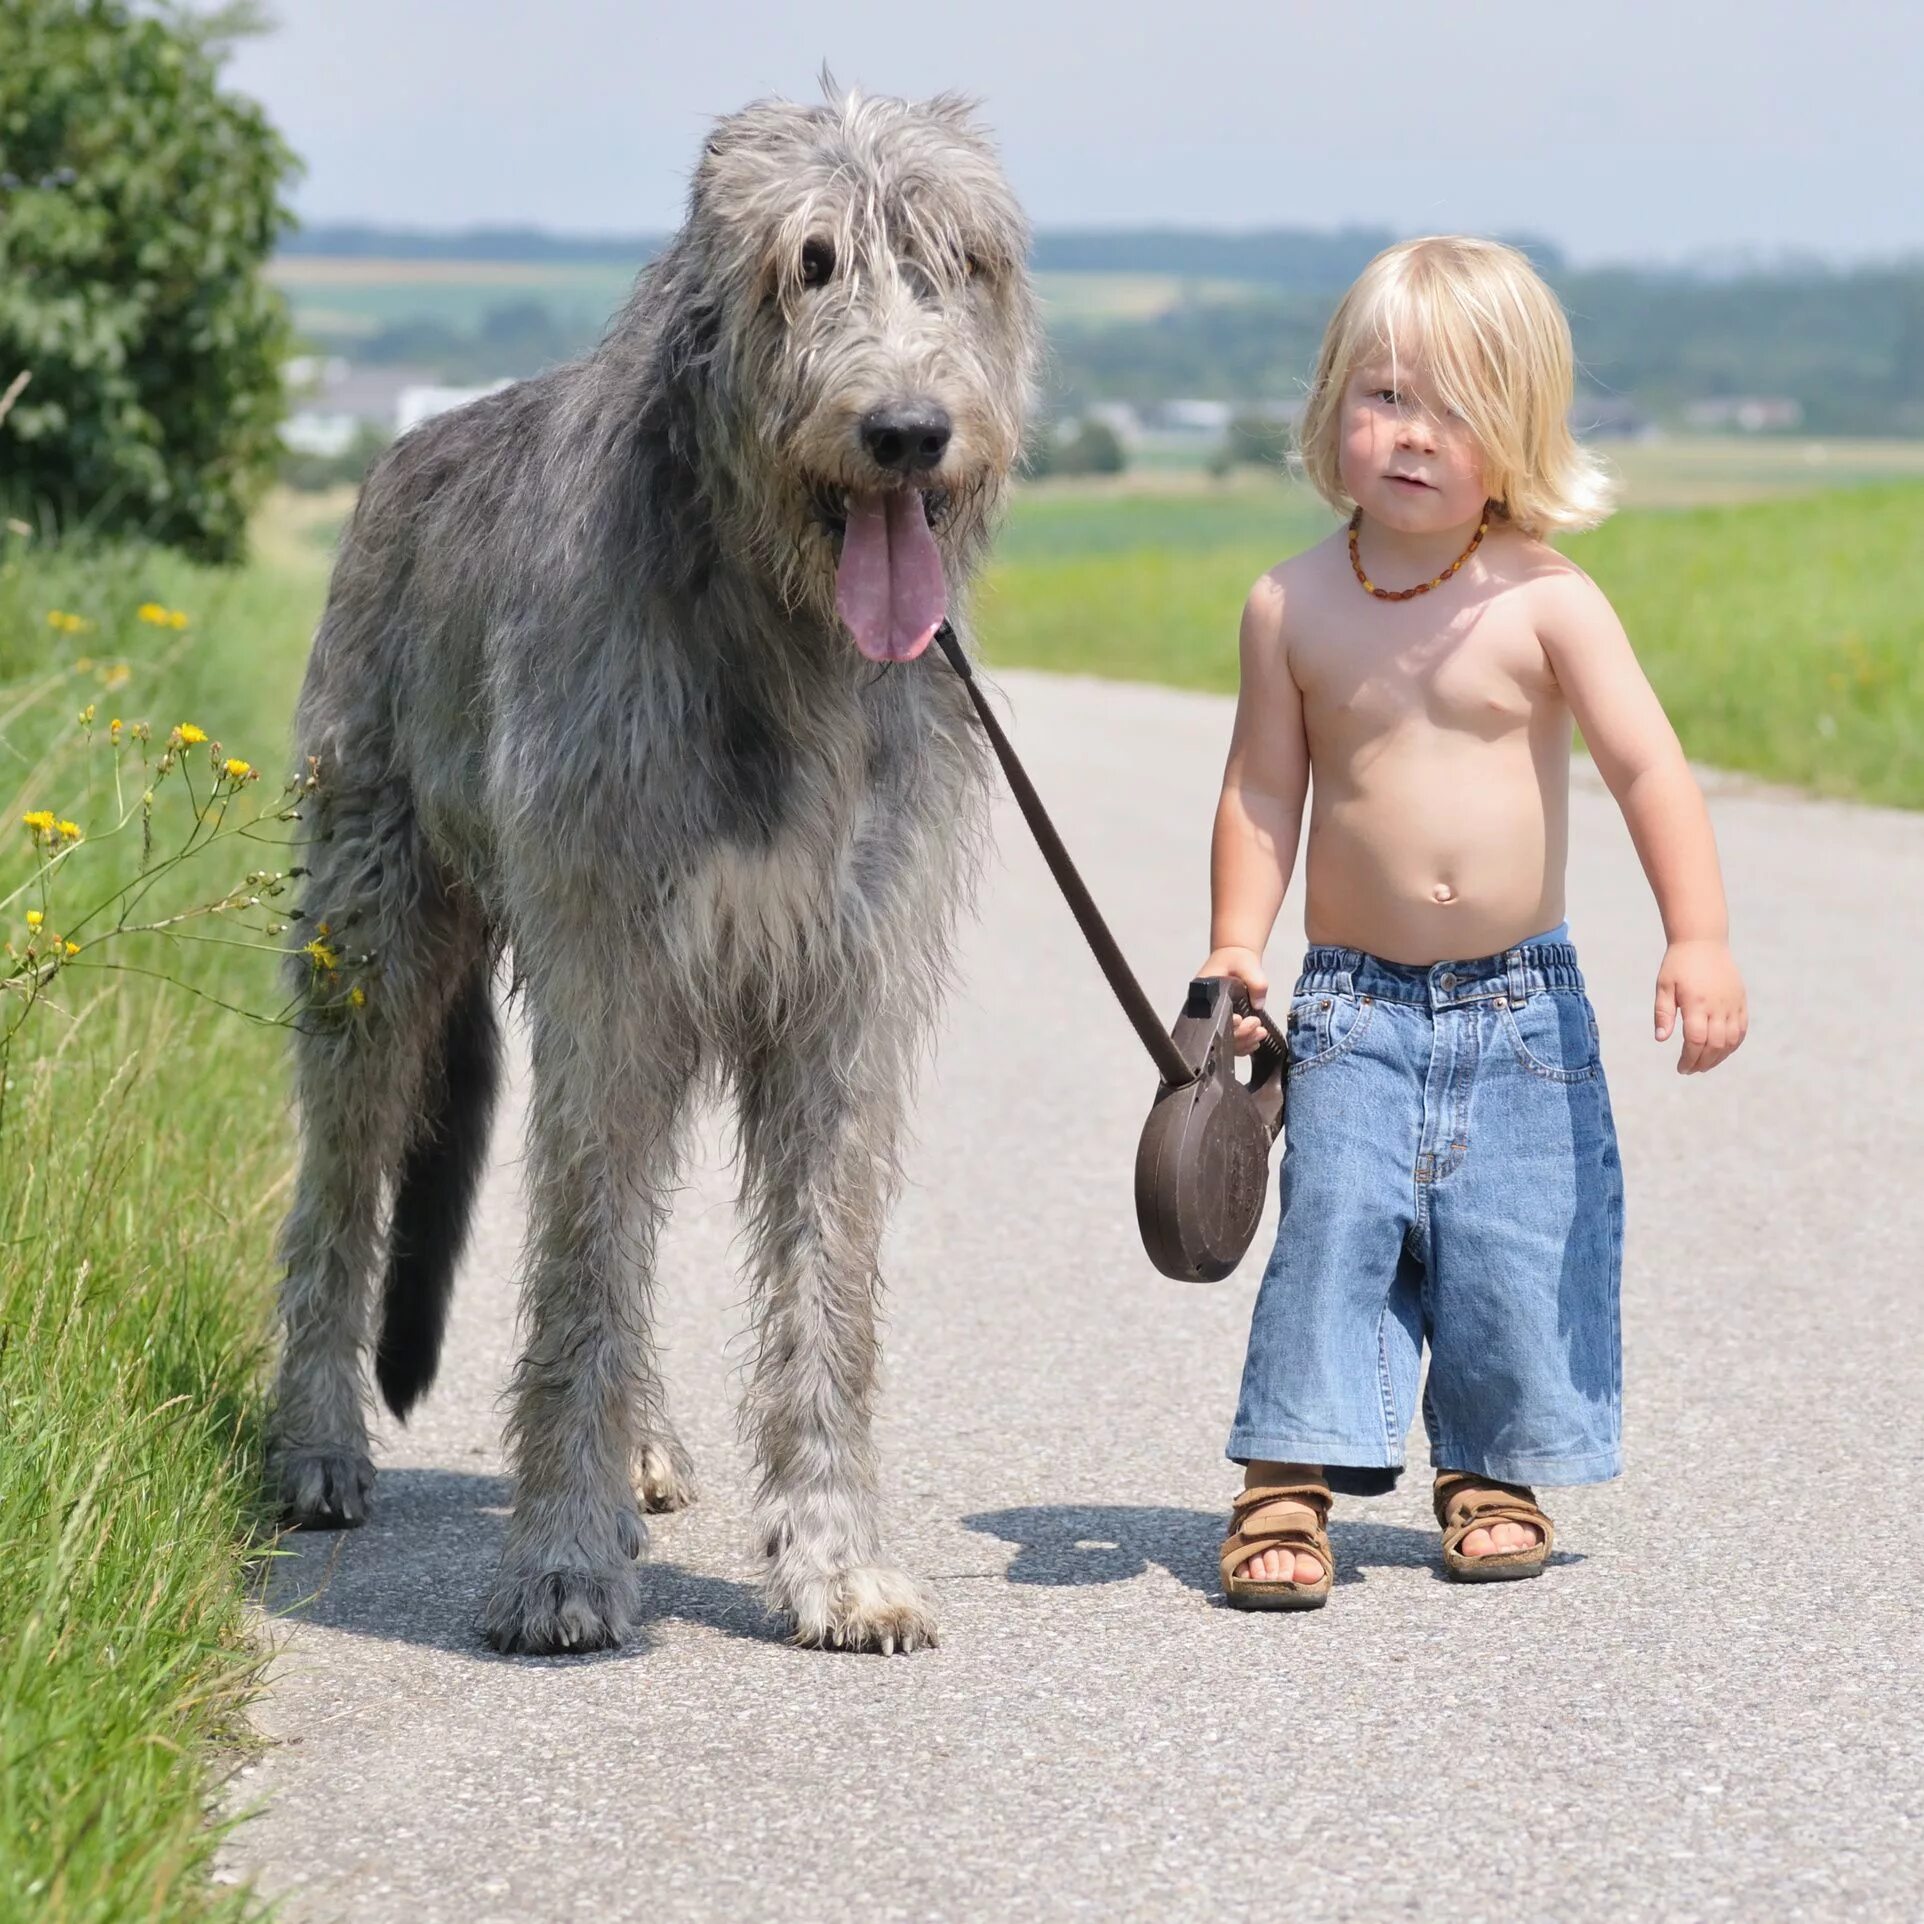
x: 910, y: 439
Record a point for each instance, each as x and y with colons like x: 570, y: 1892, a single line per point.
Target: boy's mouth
x: 1408, y: 481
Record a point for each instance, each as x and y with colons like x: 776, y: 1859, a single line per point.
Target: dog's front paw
x: 868, y: 1606
x: 665, y: 1476
x: 322, y: 1489
x: 560, y: 1613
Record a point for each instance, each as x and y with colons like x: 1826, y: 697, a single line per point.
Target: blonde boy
x: 1451, y: 1175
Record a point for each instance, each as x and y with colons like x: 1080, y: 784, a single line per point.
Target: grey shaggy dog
x: 624, y: 670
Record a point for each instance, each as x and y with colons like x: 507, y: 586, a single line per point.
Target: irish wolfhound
x: 623, y: 669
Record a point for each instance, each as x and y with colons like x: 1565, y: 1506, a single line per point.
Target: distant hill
x: 1293, y: 259
x: 524, y: 244
x: 1844, y: 347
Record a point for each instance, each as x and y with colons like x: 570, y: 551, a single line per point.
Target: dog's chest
x: 814, y: 829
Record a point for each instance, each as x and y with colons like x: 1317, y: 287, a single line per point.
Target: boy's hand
x: 1247, y: 966
x: 1699, y: 981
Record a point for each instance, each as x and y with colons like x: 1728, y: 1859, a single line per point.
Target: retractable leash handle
x: 1202, y: 1166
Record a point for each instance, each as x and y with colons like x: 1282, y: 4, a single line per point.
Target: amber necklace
x: 1405, y: 594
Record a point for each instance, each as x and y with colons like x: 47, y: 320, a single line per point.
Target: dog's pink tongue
x: 889, y: 587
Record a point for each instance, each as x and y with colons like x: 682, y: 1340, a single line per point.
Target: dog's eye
x: 818, y: 263
x: 972, y: 265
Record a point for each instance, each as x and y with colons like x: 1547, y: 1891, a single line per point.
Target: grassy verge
x: 1782, y: 635
x: 141, y: 1174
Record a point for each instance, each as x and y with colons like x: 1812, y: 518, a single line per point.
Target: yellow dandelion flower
x: 87, y: 715
x: 75, y: 626
x: 321, y: 928
x: 152, y: 611
x: 357, y: 995
x: 40, y: 821
x: 189, y: 734
x: 237, y: 768
x: 118, y: 676
x: 56, y: 618
x: 34, y: 918
x: 84, y: 665
x: 178, y: 618
x: 70, y: 831
x: 113, y: 728
x: 323, y: 956
x: 73, y: 948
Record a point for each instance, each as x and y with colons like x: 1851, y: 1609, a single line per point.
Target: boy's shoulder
x: 1564, y: 606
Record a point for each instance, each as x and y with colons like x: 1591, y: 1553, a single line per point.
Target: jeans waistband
x: 1547, y: 961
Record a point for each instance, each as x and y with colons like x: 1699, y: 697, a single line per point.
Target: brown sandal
x: 1465, y: 1503
x: 1271, y: 1518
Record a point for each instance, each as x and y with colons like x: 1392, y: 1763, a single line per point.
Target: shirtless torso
x: 1439, y: 751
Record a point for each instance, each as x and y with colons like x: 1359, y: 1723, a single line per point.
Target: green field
x: 345, y: 296
x: 1783, y: 635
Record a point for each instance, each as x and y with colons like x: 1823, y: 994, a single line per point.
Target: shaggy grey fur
x: 581, y: 691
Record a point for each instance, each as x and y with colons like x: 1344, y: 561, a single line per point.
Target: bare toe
x: 1478, y: 1544
x: 1308, y: 1569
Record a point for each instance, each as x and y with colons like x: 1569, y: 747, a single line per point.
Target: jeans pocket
x: 1554, y: 1035
x: 1325, y: 1025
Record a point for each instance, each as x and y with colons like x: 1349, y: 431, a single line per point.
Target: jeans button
x: 1449, y: 981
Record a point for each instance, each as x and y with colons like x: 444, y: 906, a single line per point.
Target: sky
x: 1625, y: 132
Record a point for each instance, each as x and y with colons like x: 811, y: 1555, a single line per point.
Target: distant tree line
x: 1847, y: 346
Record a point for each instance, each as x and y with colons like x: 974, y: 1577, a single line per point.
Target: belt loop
x: 1345, y: 982
x: 1519, y: 983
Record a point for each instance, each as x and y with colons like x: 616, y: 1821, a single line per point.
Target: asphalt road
x: 1709, y: 1708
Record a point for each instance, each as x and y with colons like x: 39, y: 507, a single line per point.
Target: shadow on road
x: 417, y: 1571
x: 1071, y: 1545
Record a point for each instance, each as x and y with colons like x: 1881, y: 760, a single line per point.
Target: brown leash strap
x: 1135, y: 1005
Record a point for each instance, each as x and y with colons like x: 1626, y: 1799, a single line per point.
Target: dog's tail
x: 434, y: 1197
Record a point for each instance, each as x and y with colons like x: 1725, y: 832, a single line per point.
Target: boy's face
x: 1406, y: 460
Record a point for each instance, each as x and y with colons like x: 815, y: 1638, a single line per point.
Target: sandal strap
x: 1458, y: 1495
x: 1466, y: 1503
x: 1313, y: 1496
x: 1250, y: 1535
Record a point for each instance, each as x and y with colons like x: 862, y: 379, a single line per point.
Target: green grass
x: 141, y: 1167
x: 1782, y: 634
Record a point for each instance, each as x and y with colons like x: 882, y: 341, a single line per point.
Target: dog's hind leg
x: 819, y: 1116
x: 390, y: 950
x: 664, y: 1471
x: 611, y: 1077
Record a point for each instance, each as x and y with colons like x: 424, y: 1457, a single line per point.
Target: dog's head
x: 870, y: 352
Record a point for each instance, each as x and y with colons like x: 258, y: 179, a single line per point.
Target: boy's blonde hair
x: 1492, y: 338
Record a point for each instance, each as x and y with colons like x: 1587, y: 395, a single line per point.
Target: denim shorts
x: 1450, y: 1175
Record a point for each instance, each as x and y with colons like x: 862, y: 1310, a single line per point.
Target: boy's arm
x: 1642, y: 763
x: 1260, y: 814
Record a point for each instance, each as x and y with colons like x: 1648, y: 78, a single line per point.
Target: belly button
x: 1443, y: 892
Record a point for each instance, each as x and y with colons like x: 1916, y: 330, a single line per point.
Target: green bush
x: 1252, y: 440
x: 1094, y: 448
x: 137, y: 206
x: 316, y: 473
